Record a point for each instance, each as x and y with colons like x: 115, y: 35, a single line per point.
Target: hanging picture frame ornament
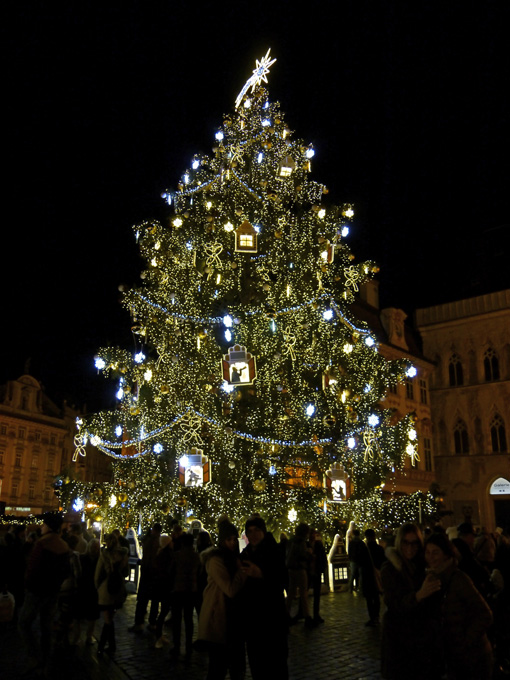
x: 238, y: 366
x: 194, y: 468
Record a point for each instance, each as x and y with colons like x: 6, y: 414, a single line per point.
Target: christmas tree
x: 253, y: 387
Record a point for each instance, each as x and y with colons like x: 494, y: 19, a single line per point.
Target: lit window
x: 286, y: 167
x: 246, y: 240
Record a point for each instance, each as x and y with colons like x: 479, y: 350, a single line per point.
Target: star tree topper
x: 259, y: 74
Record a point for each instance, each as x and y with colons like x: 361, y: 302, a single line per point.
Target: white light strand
x: 190, y: 413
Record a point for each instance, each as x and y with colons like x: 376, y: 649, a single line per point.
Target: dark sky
x: 406, y: 104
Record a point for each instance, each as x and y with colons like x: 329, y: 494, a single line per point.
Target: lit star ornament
x: 259, y: 74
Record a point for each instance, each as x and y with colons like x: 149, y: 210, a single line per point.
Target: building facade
x: 398, y: 341
x: 36, y: 446
x: 469, y: 343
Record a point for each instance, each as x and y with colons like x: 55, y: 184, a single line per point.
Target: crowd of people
x: 447, y: 610
x: 446, y: 613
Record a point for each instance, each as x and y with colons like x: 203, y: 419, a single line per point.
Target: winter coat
x: 298, y: 555
x: 48, y: 566
x: 472, y: 567
x: 466, y: 617
x: 87, y: 607
x: 319, y: 562
x: 409, y: 639
x: 163, y: 573
x: 185, y: 570
x: 111, y: 561
x: 266, y: 613
x: 216, y: 615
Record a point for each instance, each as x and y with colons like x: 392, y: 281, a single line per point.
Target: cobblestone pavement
x: 343, y: 648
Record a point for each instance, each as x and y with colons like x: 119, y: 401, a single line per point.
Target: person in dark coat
x: 356, y: 553
x: 163, y: 585
x: 464, y: 614
x: 266, y: 620
x: 109, y: 579
x: 184, y: 592
x: 150, y: 547
x: 298, y: 559
x: 464, y: 544
x: 14, y: 563
x: 203, y: 542
x: 318, y: 566
x: 87, y: 607
x: 409, y: 630
x: 370, y: 576
x: 48, y: 567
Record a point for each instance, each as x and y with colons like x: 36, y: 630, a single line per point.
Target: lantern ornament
x: 330, y: 379
x: 328, y: 252
x: 338, y: 483
x: 194, y: 468
x: 286, y: 167
x: 238, y: 366
x: 246, y: 238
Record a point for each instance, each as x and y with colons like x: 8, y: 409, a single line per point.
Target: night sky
x: 406, y: 104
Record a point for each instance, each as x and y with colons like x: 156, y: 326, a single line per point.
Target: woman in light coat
x: 219, y: 624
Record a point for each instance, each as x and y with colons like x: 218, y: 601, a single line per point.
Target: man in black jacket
x: 48, y: 567
x: 266, y: 616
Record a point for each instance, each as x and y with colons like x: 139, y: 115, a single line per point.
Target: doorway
x: 502, y: 512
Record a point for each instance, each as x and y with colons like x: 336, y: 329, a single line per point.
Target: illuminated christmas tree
x: 253, y: 387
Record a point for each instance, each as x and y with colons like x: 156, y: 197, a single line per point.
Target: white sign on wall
x: 500, y: 486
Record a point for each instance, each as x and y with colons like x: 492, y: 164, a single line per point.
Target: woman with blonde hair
x: 408, y: 638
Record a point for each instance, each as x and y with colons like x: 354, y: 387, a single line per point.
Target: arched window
x: 498, y: 434
x: 491, y: 365
x: 455, y: 371
x: 460, y: 437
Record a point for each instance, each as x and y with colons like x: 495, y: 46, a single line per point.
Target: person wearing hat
x: 266, y: 619
x: 464, y: 544
x: 48, y: 566
x: 219, y: 623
